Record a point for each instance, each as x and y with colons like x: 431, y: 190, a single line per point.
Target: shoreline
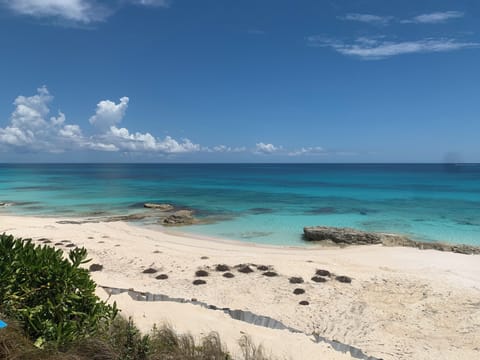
x: 394, y: 239
x: 402, y: 303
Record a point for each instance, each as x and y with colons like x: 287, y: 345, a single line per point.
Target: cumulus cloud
x: 109, y: 114
x: 435, y: 18
x: 262, y: 148
x: 30, y: 129
x: 379, y: 48
x: 368, y: 18
x: 122, y: 139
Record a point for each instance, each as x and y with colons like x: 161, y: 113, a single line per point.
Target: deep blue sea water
x: 267, y: 203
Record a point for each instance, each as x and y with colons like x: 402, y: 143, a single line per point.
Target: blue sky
x: 247, y: 81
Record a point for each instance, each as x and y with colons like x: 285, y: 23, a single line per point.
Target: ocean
x: 261, y: 203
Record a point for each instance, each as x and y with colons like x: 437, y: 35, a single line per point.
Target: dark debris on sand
x: 321, y: 272
x: 295, y: 280
x: 344, y: 279
x: 222, y: 268
x: 245, y: 269
x: 199, y: 282
x: 298, y: 291
x: 162, y: 277
x: 319, y: 279
x: 228, y: 275
x: 201, y: 273
x: 304, y: 302
x: 270, y: 274
x: 95, y: 267
x: 149, y: 271
x: 263, y: 267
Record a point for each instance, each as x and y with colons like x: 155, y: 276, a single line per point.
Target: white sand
x: 403, y: 303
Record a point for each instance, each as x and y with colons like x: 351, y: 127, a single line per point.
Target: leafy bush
x: 51, y: 296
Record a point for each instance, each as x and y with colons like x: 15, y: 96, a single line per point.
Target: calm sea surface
x: 267, y: 203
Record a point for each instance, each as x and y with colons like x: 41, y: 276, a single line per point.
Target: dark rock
x: 157, y: 252
x: 204, y: 258
x: 130, y: 217
x: 347, y: 236
x: 65, y: 241
x: 149, y: 271
x: 228, y: 275
x: 298, y: 291
x: 160, y: 207
x: 344, y: 279
x: 341, y: 235
x: 263, y: 267
x: 199, y: 282
x: 322, y: 272
x: 319, y: 279
x: 161, y: 277
x: 270, y: 274
x: 212, y: 307
x: 304, y: 302
x: 95, y: 267
x: 70, y: 245
x: 58, y: 244
x: 222, y: 268
x: 47, y: 241
x: 201, y: 273
x: 245, y: 269
x: 295, y: 280
x: 181, y: 217
x: 90, y: 237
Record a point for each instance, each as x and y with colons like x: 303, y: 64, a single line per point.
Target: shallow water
x: 267, y: 203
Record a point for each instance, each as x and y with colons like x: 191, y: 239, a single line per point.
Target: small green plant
x: 51, y: 296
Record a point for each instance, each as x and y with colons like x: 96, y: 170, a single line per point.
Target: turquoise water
x: 267, y: 203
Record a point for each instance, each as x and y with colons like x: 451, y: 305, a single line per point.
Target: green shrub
x: 51, y: 296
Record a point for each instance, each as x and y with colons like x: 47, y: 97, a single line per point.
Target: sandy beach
x: 402, y: 303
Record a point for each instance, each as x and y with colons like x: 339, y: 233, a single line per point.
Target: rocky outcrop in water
x: 181, y: 217
x: 341, y: 235
x: 348, y: 236
x: 160, y: 207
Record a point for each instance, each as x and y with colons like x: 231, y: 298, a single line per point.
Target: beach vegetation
x: 49, y: 294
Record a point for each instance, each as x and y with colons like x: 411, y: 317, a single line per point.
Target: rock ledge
x: 348, y: 236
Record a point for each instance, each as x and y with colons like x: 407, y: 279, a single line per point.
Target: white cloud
x: 122, y: 139
x: 368, y: 18
x: 435, y: 18
x: 75, y: 11
x: 262, y: 148
x: 376, y: 49
x: 160, y: 3
x: 29, y: 130
x: 109, y: 114
x: 83, y: 11
x: 314, y: 150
